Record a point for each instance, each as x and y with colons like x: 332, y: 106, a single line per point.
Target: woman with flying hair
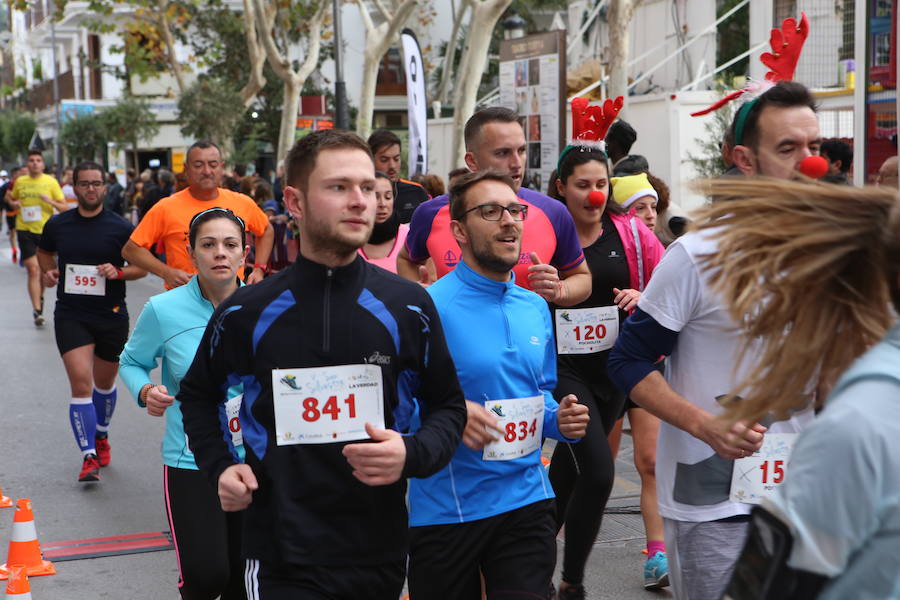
x: 811, y: 272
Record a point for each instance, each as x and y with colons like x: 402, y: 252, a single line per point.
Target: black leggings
x: 207, y: 539
x: 582, y: 474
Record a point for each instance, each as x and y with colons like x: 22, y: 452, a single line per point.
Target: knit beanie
x: 628, y: 189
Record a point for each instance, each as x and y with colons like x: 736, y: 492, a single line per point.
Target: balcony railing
x: 41, y: 95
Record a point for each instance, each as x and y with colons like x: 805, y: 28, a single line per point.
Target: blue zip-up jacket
x: 170, y: 327
x: 501, y: 339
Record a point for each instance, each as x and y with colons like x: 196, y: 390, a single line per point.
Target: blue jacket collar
x: 193, y: 288
x: 482, y: 283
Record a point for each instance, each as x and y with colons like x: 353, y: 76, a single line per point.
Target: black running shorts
x: 515, y: 551
x: 28, y: 242
x: 107, y: 337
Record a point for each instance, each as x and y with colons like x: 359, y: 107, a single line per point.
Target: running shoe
x: 103, y: 450
x: 38, y: 318
x: 656, y: 572
x: 572, y: 592
x: 15, y: 256
x: 90, y: 470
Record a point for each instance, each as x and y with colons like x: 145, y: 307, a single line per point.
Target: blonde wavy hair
x: 808, y: 271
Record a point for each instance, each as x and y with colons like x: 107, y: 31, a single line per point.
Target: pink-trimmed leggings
x: 207, y: 539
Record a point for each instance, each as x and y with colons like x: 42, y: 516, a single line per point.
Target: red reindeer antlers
x: 590, y: 123
x: 787, y: 44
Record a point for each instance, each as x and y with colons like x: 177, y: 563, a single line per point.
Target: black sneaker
x: 38, y: 318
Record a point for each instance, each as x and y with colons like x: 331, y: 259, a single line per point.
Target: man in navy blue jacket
x: 329, y: 351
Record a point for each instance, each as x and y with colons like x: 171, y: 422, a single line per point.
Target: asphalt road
x: 39, y: 460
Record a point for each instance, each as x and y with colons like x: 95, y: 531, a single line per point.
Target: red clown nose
x: 814, y: 166
x: 597, y: 198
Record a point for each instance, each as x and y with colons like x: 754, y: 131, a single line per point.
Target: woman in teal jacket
x: 207, y: 540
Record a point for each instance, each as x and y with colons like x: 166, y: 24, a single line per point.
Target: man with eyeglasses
x: 491, y: 509
x: 80, y: 253
x: 495, y: 140
x: 167, y: 222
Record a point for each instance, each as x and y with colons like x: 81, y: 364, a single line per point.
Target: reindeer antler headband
x: 590, y: 124
x: 786, y: 44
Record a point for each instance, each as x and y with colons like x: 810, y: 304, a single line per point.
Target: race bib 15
x: 756, y: 477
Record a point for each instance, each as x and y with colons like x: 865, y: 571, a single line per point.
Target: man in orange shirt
x: 169, y: 219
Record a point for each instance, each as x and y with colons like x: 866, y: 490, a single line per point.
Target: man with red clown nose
x: 702, y: 460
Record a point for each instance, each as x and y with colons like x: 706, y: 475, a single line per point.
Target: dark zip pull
x: 326, y: 312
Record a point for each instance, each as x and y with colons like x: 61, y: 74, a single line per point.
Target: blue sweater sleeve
x: 639, y: 346
x: 144, y: 347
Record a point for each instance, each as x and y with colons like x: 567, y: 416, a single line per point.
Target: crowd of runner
x: 358, y: 374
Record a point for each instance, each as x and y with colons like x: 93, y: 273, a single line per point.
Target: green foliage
x: 83, y: 137
x: 733, y: 38
x: 129, y: 121
x: 217, y: 40
x: 246, y: 153
x: 708, y: 163
x: 210, y: 109
x: 142, y: 33
x: 16, y: 130
x: 37, y: 71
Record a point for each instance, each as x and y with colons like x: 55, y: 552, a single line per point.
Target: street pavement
x: 39, y: 460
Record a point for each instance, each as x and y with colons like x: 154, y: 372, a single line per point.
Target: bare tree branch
x: 378, y: 40
x: 367, y: 20
x: 257, y: 56
x: 450, y: 53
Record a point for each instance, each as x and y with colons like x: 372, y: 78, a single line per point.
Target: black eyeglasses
x: 494, y: 212
x: 227, y: 211
x: 90, y: 184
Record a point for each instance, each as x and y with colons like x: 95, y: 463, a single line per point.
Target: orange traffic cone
x: 24, y: 548
x: 18, y: 587
x: 5, y: 501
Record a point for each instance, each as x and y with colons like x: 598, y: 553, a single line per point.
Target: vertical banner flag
x: 415, y: 96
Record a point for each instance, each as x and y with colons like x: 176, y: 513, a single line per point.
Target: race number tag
x: 232, y: 410
x: 321, y: 405
x: 522, y: 422
x: 756, y: 477
x: 85, y: 280
x: 32, y: 214
x: 586, y: 330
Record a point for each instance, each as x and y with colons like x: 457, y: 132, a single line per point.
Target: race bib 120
x: 586, y: 330
x: 321, y: 405
x: 756, y: 477
x: 522, y: 422
x: 84, y: 280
